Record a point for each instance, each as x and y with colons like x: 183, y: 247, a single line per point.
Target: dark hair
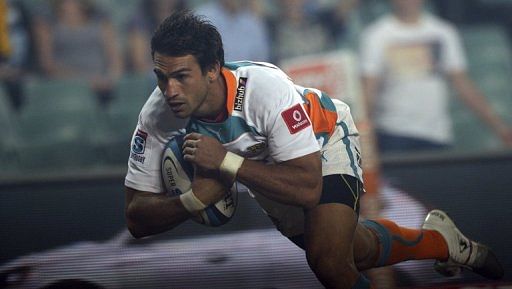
x: 184, y: 33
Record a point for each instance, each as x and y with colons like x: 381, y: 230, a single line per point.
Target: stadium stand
x: 130, y: 94
x: 8, y: 142
x: 59, y: 125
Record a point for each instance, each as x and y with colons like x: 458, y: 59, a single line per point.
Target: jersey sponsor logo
x: 255, y: 149
x: 295, y: 118
x: 240, y: 94
x: 139, y: 146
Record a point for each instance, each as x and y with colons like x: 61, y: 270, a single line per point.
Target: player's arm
x: 295, y: 182
x: 149, y: 213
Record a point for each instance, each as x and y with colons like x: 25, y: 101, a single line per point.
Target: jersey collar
x: 231, y: 86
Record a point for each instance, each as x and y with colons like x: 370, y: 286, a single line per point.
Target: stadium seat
x: 59, y: 125
x: 488, y: 47
x: 130, y: 95
x: 9, y: 153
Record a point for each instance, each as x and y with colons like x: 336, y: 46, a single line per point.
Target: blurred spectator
x: 341, y: 21
x: 79, y: 42
x: 407, y: 58
x: 16, y: 49
x: 297, y: 33
x: 477, y: 12
x: 140, y: 30
x: 244, y: 34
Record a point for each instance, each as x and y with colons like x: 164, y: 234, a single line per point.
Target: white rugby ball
x: 177, y: 175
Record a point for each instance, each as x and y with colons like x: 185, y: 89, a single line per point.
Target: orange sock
x: 399, y: 244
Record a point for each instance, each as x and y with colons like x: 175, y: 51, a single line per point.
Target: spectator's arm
x: 138, y: 49
x: 112, y: 50
x: 44, y: 40
x: 370, y: 85
x: 472, y: 97
x: 48, y: 62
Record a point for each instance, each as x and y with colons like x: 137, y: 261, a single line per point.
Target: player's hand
x: 207, y: 189
x: 205, y: 152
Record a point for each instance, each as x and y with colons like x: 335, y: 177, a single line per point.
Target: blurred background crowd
x: 74, y: 73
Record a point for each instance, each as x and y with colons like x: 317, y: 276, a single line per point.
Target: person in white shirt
x: 407, y: 60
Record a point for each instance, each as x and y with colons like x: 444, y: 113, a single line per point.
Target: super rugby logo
x: 139, y: 142
x: 295, y: 118
x: 240, y: 94
x: 139, y: 146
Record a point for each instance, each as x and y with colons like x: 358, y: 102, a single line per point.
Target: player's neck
x: 218, y: 95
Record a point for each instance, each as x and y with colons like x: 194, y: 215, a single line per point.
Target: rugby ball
x: 177, y: 176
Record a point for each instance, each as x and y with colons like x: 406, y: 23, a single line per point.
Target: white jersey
x: 269, y: 119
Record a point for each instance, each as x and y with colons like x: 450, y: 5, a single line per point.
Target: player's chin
x: 181, y: 113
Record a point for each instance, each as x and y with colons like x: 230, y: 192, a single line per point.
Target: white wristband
x: 191, y: 202
x: 231, y: 164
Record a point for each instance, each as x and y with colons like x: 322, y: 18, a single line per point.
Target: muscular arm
x: 149, y: 213
x: 295, y: 182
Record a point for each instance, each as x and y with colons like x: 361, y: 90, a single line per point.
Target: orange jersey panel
x: 323, y: 119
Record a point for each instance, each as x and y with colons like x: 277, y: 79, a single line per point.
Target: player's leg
x: 328, y: 236
x: 329, y: 233
x: 438, y: 239
x: 382, y: 242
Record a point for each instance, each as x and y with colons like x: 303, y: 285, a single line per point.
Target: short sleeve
x: 371, y: 53
x: 292, y: 134
x: 144, y: 161
x: 455, y: 58
x: 281, y: 114
x: 155, y: 126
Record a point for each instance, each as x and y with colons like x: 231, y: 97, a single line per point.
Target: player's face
x: 183, y: 84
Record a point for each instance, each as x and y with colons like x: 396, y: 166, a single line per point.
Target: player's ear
x: 213, y: 72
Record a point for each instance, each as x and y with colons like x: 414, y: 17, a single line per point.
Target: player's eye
x: 160, y: 76
x: 181, y: 77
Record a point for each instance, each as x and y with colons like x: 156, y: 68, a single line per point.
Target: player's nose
x: 171, y: 90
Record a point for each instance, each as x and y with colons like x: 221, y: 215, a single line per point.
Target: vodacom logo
x: 297, y: 116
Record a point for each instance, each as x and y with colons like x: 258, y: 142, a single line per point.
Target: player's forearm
x: 149, y: 214
x: 284, y: 183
